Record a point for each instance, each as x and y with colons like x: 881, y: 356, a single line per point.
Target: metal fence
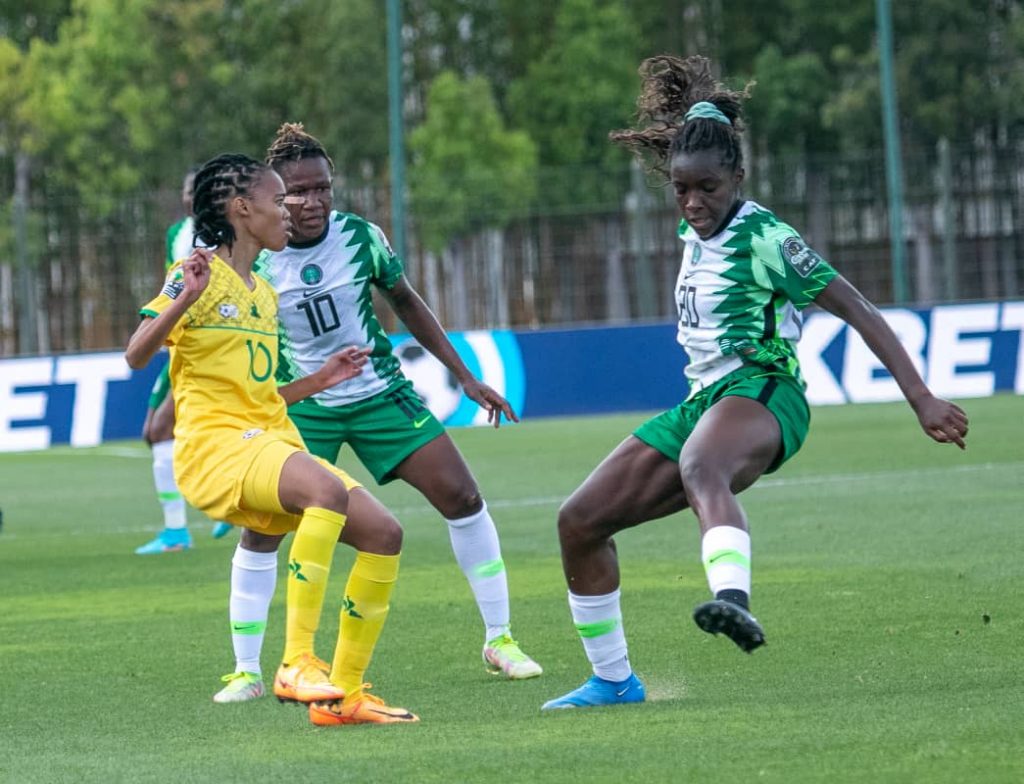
x: 72, y: 275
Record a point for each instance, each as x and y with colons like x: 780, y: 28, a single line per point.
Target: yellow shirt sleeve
x: 174, y: 284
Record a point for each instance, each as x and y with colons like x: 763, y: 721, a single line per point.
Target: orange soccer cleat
x: 361, y: 708
x: 305, y: 680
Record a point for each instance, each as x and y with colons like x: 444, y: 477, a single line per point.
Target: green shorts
x: 780, y: 393
x: 161, y: 387
x: 382, y: 430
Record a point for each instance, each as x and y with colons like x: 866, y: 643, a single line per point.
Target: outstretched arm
x: 338, y: 367
x: 944, y: 421
x: 424, y: 326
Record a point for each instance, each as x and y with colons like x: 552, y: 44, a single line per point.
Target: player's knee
x: 331, y: 495
x: 701, y: 479
x: 461, y: 502
x: 384, y: 537
x: 576, y: 525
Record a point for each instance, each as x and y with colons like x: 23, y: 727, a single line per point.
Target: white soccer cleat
x: 503, y: 655
x: 241, y: 687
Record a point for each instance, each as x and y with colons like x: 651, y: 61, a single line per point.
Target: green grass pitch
x: 887, y: 574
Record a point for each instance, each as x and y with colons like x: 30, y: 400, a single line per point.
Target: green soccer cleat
x: 502, y: 655
x: 241, y: 687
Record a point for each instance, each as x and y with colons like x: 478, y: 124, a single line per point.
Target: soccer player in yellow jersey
x: 237, y: 455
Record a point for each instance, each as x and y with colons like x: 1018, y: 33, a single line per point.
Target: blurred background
x: 516, y: 210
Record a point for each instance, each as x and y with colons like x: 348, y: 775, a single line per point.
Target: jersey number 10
x: 322, y: 315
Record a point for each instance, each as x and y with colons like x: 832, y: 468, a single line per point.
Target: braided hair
x: 218, y: 181
x: 292, y: 143
x: 671, y: 88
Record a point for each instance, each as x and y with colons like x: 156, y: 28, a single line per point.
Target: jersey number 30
x: 322, y: 315
x: 687, y: 302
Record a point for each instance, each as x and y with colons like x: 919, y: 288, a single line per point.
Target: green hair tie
x: 708, y: 111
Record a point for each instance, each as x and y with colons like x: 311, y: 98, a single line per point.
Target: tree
x: 468, y: 171
x: 582, y: 87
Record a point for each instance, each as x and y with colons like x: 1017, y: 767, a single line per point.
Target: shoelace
x: 233, y: 676
x: 511, y: 649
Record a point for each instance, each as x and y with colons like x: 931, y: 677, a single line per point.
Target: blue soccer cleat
x: 597, y: 691
x: 169, y: 540
x: 221, y: 529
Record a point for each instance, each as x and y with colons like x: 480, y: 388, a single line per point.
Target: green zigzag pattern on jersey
x: 369, y: 261
x: 287, y: 371
x: 736, y: 299
x: 752, y: 239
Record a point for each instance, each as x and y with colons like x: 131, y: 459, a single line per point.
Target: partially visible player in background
x: 240, y: 458
x: 744, y: 278
x: 325, y: 280
x: 158, y: 429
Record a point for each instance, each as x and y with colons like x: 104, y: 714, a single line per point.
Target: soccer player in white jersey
x: 325, y: 280
x: 744, y: 279
x: 158, y: 427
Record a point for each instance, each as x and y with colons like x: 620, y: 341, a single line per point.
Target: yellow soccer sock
x: 363, y: 612
x: 309, y: 564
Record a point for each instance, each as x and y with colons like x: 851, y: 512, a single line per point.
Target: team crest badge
x: 799, y: 256
x: 311, y: 274
x: 228, y: 310
x: 175, y: 284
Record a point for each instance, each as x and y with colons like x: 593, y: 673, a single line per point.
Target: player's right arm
x: 153, y: 332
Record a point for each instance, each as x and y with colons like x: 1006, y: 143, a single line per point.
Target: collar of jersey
x: 727, y: 220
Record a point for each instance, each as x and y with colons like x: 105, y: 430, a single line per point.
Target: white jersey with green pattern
x: 325, y: 303
x: 740, y: 293
x: 179, y: 241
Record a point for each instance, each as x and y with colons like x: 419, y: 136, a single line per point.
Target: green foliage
x: 583, y: 86
x: 468, y: 171
x: 787, y: 101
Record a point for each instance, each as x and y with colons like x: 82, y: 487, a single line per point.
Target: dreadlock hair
x: 292, y: 143
x: 671, y: 85
x: 218, y: 181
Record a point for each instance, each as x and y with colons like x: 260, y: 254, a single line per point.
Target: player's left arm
x: 944, y: 421
x: 339, y: 366
x: 424, y: 326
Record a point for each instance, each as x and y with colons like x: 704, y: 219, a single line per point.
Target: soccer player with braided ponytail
x: 326, y: 279
x: 745, y: 277
x: 237, y: 455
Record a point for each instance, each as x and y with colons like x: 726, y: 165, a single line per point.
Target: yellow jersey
x: 223, y: 353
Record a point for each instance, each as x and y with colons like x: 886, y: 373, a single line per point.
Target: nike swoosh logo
x: 421, y: 422
x: 620, y: 693
x: 393, y: 715
x: 312, y: 293
x: 244, y: 627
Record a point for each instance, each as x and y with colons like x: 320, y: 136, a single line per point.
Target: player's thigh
x: 161, y: 426
x: 438, y: 470
x: 633, y: 484
x: 303, y: 481
x: 735, y: 441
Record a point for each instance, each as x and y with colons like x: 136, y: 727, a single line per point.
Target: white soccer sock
x: 598, y: 620
x: 253, y: 577
x: 476, y: 547
x: 725, y: 551
x: 166, y: 487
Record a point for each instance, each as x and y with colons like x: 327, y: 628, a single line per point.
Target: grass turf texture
x: 887, y: 574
